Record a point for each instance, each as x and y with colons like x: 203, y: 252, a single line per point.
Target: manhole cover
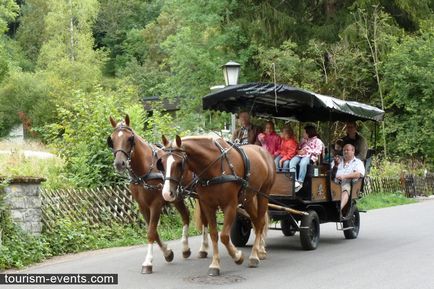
x: 218, y: 280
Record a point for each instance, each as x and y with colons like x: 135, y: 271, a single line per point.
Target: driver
x: 356, y: 139
x: 246, y: 133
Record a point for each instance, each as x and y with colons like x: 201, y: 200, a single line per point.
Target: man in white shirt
x: 345, y: 170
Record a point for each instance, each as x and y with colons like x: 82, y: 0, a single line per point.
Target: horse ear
x: 127, y: 120
x: 112, y: 121
x: 178, y: 141
x: 165, y: 141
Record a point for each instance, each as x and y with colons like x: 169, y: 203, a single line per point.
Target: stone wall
x: 22, y: 196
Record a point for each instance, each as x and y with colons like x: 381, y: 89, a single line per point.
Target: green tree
x: 9, y: 9
x: 409, y: 86
x: 118, y: 27
x: 31, y: 31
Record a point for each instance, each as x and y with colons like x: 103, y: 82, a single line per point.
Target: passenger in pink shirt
x: 288, y: 149
x: 310, y: 149
x: 269, y: 140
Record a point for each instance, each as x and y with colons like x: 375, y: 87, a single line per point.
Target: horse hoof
x: 253, y: 262
x: 203, y: 254
x: 147, y: 269
x: 186, y: 254
x: 169, y: 258
x: 262, y: 256
x: 213, y: 272
x: 241, y: 260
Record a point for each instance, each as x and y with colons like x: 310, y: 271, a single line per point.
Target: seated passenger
x: 247, y: 133
x: 288, y: 149
x: 310, y: 149
x: 336, y: 151
x: 356, y: 139
x: 269, y: 139
x: 345, y: 170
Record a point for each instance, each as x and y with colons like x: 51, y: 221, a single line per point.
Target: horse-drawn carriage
x: 222, y: 175
x: 318, y: 200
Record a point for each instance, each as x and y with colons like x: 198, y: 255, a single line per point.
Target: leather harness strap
x: 233, y: 177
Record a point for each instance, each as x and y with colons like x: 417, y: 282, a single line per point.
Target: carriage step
x: 340, y: 227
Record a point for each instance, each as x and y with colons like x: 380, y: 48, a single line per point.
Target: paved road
x: 395, y: 250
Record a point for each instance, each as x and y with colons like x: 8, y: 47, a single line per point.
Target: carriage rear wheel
x: 240, y: 231
x: 287, y: 228
x: 309, y: 231
x: 354, y: 224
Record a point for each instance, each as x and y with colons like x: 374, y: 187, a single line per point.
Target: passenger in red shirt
x: 269, y: 139
x: 288, y: 149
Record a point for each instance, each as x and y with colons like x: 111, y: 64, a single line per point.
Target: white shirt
x: 354, y: 165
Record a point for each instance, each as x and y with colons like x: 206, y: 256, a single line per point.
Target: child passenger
x: 269, y: 140
x: 288, y: 149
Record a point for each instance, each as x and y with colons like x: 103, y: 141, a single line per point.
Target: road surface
x: 395, y: 249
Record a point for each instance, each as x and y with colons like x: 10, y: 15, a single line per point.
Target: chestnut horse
x: 226, y: 177
x: 138, y: 157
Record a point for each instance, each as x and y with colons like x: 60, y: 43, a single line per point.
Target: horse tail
x: 198, y: 216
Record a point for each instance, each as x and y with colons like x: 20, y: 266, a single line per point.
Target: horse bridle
x: 131, y: 139
x: 180, y: 153
x: 134, y: 179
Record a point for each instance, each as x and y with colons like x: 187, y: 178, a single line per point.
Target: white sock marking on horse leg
x: 238, y: 255
x: 204, y: 245
x: 166, y: 250
x: 149, y: 256
x: 184, y: 238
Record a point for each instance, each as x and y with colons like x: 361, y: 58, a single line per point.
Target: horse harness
x: 134, y: 179
x: 223, y: 178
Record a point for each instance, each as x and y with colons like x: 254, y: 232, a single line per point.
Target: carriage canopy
x: 280, y: 100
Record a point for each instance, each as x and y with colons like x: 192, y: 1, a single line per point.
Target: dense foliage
x: 66, y: 65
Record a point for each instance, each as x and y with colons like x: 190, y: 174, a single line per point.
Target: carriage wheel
x: 240, y: 231
x: 287, y: 228
x: 353, y: 222
x: 309, y: 231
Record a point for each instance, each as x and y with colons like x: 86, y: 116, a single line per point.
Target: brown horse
x: 139, y: 158
x: 226, y: 177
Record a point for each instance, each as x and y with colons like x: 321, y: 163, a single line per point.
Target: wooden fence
x: 115, y: 204
x: 96, y: 206
x: 410, y: 185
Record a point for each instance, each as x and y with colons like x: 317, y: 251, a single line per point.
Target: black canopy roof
x: 279, y: 100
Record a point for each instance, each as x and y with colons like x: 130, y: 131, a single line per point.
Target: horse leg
x: 263, y: 222
x: 252, y: 209
x: 147, y: 264
x: 214, y: 268
x: 201, y: 225
x: 185, y: 214
x: 203, y: 250
x: 229, y: 217
x: 155, y: 217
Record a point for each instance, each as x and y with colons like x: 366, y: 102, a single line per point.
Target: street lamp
x: 231, y: 71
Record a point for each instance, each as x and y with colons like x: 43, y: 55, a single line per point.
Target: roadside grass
x: 33, y: 145
x: 14, y: 163
x: 19, y: 249
x: 383, y: 200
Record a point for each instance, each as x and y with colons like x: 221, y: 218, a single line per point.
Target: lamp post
x: 231, y: 71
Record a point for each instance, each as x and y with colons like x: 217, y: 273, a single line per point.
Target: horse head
x: 121, y: 141
x: 173, y: 163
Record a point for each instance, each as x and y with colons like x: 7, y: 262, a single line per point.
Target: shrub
x: 81, y: 133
